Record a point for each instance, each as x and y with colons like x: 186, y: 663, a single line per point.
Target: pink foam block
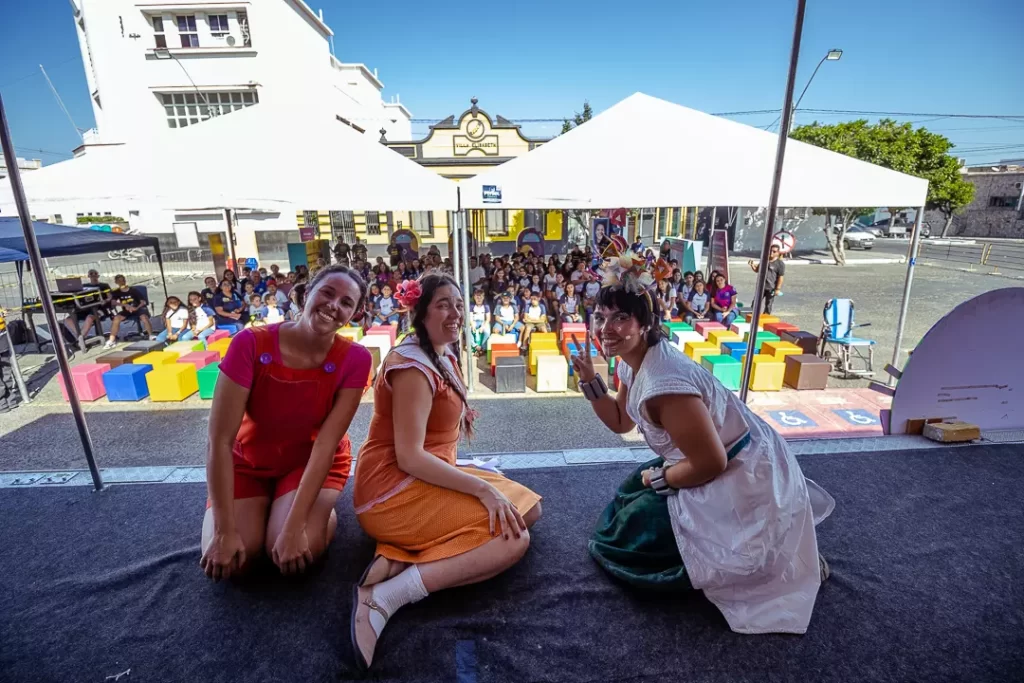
x: 200, y: 359
x: 569, y: 329
x: 88, y: 379
x: 703, y: 329
x: 219, y: 334
x: 390, y: 330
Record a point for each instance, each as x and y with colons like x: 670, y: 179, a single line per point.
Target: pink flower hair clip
x: 408, y: 293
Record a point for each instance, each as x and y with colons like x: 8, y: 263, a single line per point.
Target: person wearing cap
x: 506, y: 316
x: 535, y: 317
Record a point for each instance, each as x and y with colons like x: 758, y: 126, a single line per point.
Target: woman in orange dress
x: 437, y: 525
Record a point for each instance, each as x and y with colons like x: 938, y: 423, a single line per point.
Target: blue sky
x: 541, y: 59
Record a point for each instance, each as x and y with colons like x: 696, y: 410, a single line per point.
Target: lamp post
x: 833, y: 55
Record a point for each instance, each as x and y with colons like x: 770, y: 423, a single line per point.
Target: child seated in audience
x: 256, y: 309
x: 200, y: 317
x: 685, y: 289
x: 535, y: 317
x: 590, y: 290
x: 571, y: 305
x: 535, y: 284
x: 176, y: 327
x: 698, y: 305
x: 385, y: 311
x: 506, y: 316
x: 723, y: 301
x: 271, y: 311
x: 479, y: 322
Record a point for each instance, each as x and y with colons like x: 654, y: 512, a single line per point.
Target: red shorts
x: 251, y: 484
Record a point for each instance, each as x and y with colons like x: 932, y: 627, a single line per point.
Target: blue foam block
x: 127, y: 382
x: 736, y: 349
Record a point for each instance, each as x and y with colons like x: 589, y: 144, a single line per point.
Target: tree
x: 894, y: 145
x: 578, y: 119
x: 948, y: 191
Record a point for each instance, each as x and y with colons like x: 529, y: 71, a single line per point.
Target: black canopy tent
x: 61, y: 240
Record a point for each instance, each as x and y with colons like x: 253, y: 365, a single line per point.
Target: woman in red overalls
x: 279, y: 454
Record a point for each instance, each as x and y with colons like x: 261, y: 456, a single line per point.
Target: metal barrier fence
x: 989, y: 257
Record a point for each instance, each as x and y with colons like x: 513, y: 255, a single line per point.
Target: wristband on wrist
x: 659, y: 484
x: 594, y: 389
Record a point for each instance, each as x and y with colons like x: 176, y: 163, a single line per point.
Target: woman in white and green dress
x: 724, y: 508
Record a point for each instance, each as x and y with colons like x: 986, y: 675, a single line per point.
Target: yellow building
x: 462, y: 147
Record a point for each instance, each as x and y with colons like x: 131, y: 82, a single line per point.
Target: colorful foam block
x: 806, y: 371
x: 569, y: 329
x: 780, y: 349
x: 118, y: 358
x: 88, y: 381
x: 172, y: 382
x: 761, y: 338
x: 535, y: 354
x: 503, y: 346
x: 691, y: 348
x: 207, y: 378
x: 183, y: 347
x: 380, y: 345
x: 678, y: 326
x: 544, y: 336
x: 391, y: 331
x: 805, y: 340
x: 353, y: 333
x: 704, y: 328
x: 146, y: 346
x: 680, y: 337
x: 740, y: 328
x: 736, y: 349
x: 538, y: 346
x: 219, y: 334
x: 766, y: 373
x: 701, y: 351
x: 726, y: 369
x: 763, y: 320
x: 716, y: 337
x: 127, y: 382
x: 500, y: 339
x: 595, y: 358
x: 780, y: 327
x: 499, y: 353
x: 156, y: 358
x: 510, y: 377
x: 200, y: 359
x: 552, y: 374
x: 220, y: 346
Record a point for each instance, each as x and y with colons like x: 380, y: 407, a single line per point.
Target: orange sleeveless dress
x: 411, y: 520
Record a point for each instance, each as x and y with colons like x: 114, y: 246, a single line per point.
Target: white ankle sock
x: 403, y: 589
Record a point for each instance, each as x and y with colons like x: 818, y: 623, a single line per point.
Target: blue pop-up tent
x: 62, y: 240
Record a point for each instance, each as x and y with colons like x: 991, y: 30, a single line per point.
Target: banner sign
x: 219, y: 257
x: 307, y: 234
x: 491, y: 194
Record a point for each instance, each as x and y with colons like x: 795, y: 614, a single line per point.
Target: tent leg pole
x: 16, y: 371
x: 228, y: 220
x: 905, y: 304
x: 460, y: 237
x: 32, y: 247
x: 773, y: 198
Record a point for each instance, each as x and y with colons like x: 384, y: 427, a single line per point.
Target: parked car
x: 858, y: 237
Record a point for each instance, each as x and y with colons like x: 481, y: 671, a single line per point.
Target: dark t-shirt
x: 131, y: 297
x: 776, y: 269
x: 207, y: 295
x: 230, y: 304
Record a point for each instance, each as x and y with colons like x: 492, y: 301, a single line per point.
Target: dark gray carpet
x: 925, y: 549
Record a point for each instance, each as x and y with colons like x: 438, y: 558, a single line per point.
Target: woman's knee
x: 515, y: 548
x: 533, y: 515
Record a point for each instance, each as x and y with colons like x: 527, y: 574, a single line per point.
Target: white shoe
x: 152, y: 337
x: 108, y: 345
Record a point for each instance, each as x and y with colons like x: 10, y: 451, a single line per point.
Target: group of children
x: 690, y: 297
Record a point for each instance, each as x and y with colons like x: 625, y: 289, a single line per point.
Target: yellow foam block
x: 537, y: 353
x: 156, y: 358
x: 716, y: 337
x: 692, y: 346
x: 700, y: 352
x: 174, y: 382
x: 780, y: 349
x: 552, y: 374
x: 353, y: 333
x: 765, y: 319
x: 183, y: 347
x: 539, y: 336
x: 220, y: 346
x: 766, y: 373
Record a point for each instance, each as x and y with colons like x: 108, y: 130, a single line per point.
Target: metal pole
x: 915, y: 241
x: 457, y: 257
x: 773, y: 199
x: 32, y: 247
x: 460, y: 234
x: 19, y: 267
x: 229, y: 221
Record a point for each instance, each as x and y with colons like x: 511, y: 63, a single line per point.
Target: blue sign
x: 793, y: 419
x: 491, y: 194
x: 858, y: 417
x: 250, y: 263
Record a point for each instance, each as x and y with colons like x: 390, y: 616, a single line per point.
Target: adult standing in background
x: 773, y: 277
x: 341, y: 252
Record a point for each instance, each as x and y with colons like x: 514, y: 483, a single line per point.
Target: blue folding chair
x: 852, y: 356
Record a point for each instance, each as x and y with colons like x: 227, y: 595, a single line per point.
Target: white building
x: 153, y: 68
x: 23, y: 165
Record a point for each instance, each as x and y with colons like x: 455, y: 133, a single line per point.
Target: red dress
x: 282, y: 419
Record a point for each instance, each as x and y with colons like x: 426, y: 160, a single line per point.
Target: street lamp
x: 833, y: 55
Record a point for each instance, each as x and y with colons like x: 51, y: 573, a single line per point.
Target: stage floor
x: 925, y: 548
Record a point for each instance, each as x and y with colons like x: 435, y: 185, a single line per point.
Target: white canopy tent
x: 255, y: 157
x: 645, y: 151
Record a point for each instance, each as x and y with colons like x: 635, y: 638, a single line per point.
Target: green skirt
x: 634, y: 541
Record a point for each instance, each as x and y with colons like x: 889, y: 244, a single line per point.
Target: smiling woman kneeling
x: 724, y: 508
x: 437, y: 525
x: 279, y: 454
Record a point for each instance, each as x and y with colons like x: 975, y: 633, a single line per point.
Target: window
x: 58, y: 219
x: 158, y: 32
x: 218, y: 24
x: 423, y: 223
x: 372, y: 222
x: 187, y: 30
x: 343, y: 226
x: 497, y: 224
x: 183, y: 109
x: 310, y: 219
x: 1002, y: 202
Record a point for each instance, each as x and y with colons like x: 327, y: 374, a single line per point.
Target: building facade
x: 23, y: 165
x: 998, y: 206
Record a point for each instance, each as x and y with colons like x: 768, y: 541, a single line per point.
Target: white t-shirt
x: 476, y: 274
x: 177, y: 319
x: 576, y: 275
x: 202, y: 319
x: 274, y: 314
x: 550, y: 281
x: 387, y: 305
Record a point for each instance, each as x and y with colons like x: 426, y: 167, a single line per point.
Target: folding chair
x: 838, y: 345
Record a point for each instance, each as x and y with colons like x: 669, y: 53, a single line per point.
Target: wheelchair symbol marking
x: 792, y: 418
x: 857, y: 417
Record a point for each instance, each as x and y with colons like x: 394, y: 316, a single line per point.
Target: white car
x: 858, y: 237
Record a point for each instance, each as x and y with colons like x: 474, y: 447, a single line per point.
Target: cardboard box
x: 951, y: 432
